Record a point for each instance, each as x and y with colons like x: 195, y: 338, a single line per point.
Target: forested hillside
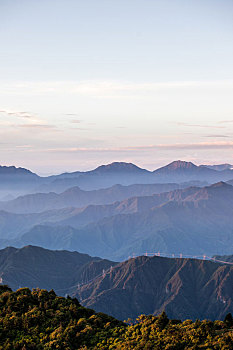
x: 38, y: 319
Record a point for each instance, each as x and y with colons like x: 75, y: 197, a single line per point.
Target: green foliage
x: 39, y: 319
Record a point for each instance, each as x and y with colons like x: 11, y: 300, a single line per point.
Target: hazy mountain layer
x: 191, y: 221
x: 19, y: 180
x: 127, y: 173
x: 219, y: 167
x: 75, y: 197
x: 13, y: 225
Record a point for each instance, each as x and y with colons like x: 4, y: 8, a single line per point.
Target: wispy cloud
x: 108, y: 89
x: 217, y: 136
x: 38, y: 126
x: 24, y: 146
x: 72, y: 114
x: 18, y: 114
x: 225, y: 121
x: 192, y: 146
x: 171, y: 147
x: 76, y: 121
x: 200, y: 125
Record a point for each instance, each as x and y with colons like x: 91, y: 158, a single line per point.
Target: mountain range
x: 19, y: 181
x: 184, y: 288
x: 21, y: 214
x: 189, y: 221
x: 128, y: 173
x: 37, y: 267
x: 76, y: 197
x: 116, y: 222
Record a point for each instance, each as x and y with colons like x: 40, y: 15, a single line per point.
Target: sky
x: 84, y: 83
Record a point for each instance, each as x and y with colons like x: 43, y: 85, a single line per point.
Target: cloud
x: 191, y: 146
x: 225, y: 121
x: 170, y: 147
x: 23, y: 115
x: 72, y: 114
x: 108, y: 89
x: 200, y: 125
x: 24, y: 146
x: 76, y: 121
x: 38, y: 126
x: 220, y: 136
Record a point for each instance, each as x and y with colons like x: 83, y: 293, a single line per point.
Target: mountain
x: 39, y: 319
x: 128, y: 173
x: 14, y: 181
x: 58, y: 270
x: 190, y: 221
x: 183, y: 288
x: 118, y: 167
x: 17, y: 177
x: 102, y: 177
x: 15, y: 224
x: 230, y: 182
x: 8, y: 171
x: 181, y: 171
x: 226, y: 258
x: 219, y: 167
x: 75, y: 197
x: 105, y: 176
x: 12, y: 225
x: 177, y: 165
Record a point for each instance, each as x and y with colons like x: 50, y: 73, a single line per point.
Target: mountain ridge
x: 183, y: 288
x: 117, y: 173
x: 164, y: 222
x: 33, y: 266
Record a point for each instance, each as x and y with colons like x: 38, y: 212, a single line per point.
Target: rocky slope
x: 37, y: 267
x: 184, y: 288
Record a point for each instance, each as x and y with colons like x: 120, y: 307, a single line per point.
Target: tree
x: 228, y: 320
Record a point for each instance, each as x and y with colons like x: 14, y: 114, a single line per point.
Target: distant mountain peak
x: 72, y: 190
x: 181, y: 164
x: 5, y: 170
x: 119, y: 167
x: 219, y: 167
x: 221, y: 184
x: 177, y: 165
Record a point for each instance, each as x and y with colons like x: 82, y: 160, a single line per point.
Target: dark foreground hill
x: 184, y: 288
x: 39, y: 319
x: 37, y: 267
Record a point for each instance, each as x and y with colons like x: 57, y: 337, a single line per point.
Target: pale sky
x: 87, y: 82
